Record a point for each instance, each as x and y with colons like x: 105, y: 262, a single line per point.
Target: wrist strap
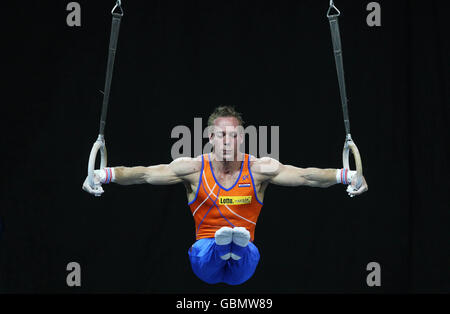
x: 344, y: 176
x: 109, y: 175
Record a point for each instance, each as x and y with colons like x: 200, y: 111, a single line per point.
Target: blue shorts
x: 208, y: 266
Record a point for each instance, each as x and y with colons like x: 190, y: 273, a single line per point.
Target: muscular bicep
x: 272, y: 171
x: 179, y: 170
x: 289, y: 176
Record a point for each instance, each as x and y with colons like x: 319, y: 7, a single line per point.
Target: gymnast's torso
x: 218, y: 199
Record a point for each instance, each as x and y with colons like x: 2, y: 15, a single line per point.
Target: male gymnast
x: 225, y: 192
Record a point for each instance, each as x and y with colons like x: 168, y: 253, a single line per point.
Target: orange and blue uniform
x: 214, y: 207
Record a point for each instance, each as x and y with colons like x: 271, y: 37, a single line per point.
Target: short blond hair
x: 225, y: 111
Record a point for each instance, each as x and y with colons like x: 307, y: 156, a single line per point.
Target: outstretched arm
x: 179, y: 170
x: 294, y: 176
x: 163, y: 174
x: 273, y: 171
x: 287, y: 175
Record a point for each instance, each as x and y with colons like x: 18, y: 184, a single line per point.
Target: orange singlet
x: 215, y: 207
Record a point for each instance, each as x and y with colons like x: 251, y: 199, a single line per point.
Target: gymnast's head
x: 226, y: 133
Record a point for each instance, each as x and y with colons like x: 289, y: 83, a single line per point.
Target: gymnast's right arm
x: 179, y: 170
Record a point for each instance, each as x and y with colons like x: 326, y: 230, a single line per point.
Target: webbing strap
x: 337, y: 49
x: 115, y: 26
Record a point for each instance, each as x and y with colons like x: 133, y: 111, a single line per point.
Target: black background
x: 273, y: 60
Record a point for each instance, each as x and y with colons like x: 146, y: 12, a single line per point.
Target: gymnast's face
x: 226, y: 136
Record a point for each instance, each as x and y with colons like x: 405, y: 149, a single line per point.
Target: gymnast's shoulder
x: 264, y: 166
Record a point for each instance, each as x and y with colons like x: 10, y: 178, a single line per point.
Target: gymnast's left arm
x: 273, y: 171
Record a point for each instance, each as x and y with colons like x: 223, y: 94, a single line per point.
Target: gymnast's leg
x: 244, y: 258
x: 209, y: 257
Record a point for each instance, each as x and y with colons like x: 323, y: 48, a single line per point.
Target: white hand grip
x: 350, y: 145
x: 98, y: 145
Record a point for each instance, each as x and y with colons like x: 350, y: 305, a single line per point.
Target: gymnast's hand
x: 97, y: 189
x: 353, y: 190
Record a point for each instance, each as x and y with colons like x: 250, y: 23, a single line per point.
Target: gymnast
x: 225, y: 192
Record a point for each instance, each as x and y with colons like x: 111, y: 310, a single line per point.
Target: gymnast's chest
x: 239, y: 193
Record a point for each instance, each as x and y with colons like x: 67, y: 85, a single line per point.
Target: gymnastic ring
x: 98, y: 145
x: 349, y: 145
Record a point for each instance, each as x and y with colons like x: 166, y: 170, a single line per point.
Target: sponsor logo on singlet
x: 234, y: 200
